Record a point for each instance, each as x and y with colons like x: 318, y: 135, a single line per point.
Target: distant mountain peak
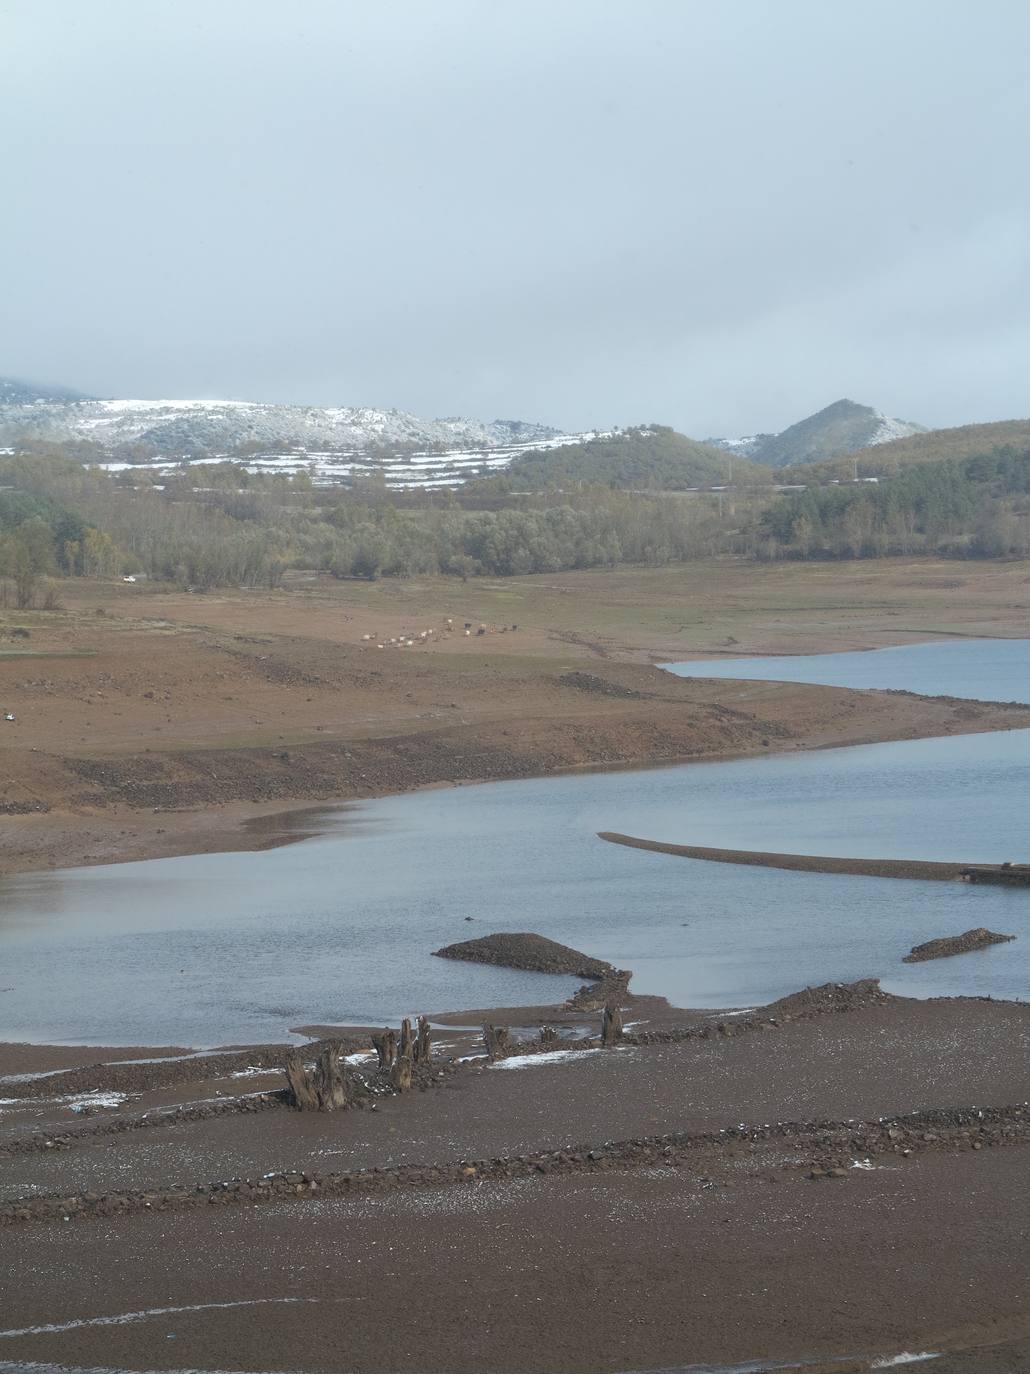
x: 17, y: 391
x: 838, y: 429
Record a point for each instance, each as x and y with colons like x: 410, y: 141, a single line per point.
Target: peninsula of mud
x: 966, y: 943
x: 804, y: 863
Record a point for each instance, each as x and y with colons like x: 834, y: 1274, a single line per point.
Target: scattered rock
x: 590, y: 682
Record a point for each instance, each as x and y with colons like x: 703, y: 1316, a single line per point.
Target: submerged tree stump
x: 329, y: 1085
x: 406, y: 1047
x: 497, y: 1041
x: 299, y: 1085
x: 423, y: 1042
x: 320, y: 1090
x: 611, y: 1025
x: 385, y: 1046
x: 400, y: 1073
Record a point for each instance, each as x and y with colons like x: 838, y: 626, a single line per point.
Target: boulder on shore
x: 970, y: 940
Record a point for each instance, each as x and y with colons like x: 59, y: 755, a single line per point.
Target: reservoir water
x: 226, y: 948
x: 988, y: 669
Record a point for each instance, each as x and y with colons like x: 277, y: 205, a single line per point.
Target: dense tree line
x: 59, y: 517
x: 976, y: 507
x: 248, y: 530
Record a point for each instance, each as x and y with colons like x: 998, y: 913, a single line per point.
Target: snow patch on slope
x: 888, y: 430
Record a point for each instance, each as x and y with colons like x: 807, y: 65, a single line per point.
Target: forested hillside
x: 58, y: 517
x: 649, y: 457
x: 974, y: 507
x: 883, y: 460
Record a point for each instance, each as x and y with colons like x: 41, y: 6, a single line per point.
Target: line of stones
x: 173, y: 1116
x: 830, y: 1144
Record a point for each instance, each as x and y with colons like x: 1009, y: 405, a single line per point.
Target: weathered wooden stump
x: 548, y: 1035
x: 385, y: 1046
x: 406, y: 1047
x: 400, y: 1073
x: 323, y: 1090
x: 301, y: 1089
x: 497, y: 1041
x: 329, y: 1084
x: 611, y: 1025
x: 423, y: 1042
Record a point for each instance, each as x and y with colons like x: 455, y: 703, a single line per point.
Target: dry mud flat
x: 638, y: 1209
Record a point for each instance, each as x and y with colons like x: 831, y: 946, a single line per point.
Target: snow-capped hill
x: 178, y: 427
x: 839, y: 429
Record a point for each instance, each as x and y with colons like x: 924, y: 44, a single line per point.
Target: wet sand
x: 630, y: 1271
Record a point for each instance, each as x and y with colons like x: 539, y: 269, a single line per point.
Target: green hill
x: 883, y: 460
x: 648, y: 458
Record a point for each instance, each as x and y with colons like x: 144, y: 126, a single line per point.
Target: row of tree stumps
x: 325, y: 1087
x: 321, y: 1089
x: 498, y: 1041
x: 398, y: 1057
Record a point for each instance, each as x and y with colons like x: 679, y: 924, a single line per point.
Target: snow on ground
x: 450, y: 468
x: 532, y: 1061
x: 888, y: 429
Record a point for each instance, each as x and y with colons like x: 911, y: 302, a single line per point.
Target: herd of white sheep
x: 416, y: 638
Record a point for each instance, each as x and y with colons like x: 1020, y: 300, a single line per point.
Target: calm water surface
x: 240, y: 947
x: 989, y: 669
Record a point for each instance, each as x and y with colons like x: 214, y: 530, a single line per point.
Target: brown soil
x: 176, y: 724
x: 811, y: 1187
x: 18, y: 1058
x: 970, y: 940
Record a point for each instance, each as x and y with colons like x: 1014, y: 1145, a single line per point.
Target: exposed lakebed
x: 239, y: 947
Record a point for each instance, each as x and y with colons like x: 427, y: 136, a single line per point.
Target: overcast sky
x: 720, y: 214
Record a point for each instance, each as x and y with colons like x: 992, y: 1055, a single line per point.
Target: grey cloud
x: 722, y: 216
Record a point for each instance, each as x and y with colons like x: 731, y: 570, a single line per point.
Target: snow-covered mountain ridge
x: 178, y: 427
